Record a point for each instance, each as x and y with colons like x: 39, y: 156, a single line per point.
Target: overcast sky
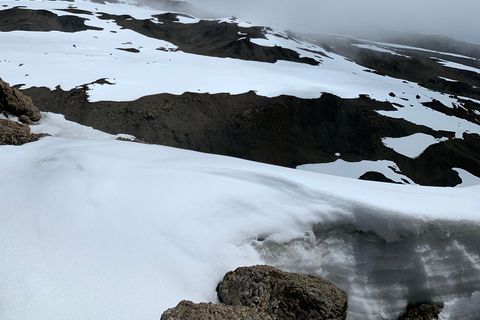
x: 459, y: 19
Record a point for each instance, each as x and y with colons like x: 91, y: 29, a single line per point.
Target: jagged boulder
x: 12, y: 100
x: 283, y: 295
x: 15, y: 133
x: 187, y: 310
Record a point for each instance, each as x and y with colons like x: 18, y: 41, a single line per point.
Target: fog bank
x: 457, y: 19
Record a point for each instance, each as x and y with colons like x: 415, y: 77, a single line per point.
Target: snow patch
x: 413, y: 145
x: 468, y: 179
x: 356, y: 169
x: 378, y: 49
x: 455, y: 65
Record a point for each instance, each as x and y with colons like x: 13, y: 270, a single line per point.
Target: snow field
x: 50, y: 59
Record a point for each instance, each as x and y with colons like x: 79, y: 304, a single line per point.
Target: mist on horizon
x: 459, y: 20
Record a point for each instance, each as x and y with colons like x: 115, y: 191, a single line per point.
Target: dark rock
x: 14, y: 133
x: 131, y: 140
x: 283, y: 130
x: 421, y: 312
x: 187, y: 310
x: 210, y: 38
x: 40, y: 20
x: 434, y: 166
x: 12, y: 100
x: 283, y: 295
x: 132, y: 50
x: 375, y: 176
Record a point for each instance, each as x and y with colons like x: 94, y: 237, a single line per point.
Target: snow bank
x: 105, y: 229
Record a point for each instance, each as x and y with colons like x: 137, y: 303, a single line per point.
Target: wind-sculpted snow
x: 381, y: 277
x: 94, y: 228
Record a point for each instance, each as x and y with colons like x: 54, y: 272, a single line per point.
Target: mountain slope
x: 97, y: 228
x: 132, y: 51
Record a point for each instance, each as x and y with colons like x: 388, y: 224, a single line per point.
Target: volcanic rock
x: 187, y: 310
x: 12, y: 100
x: 14, y: 133
x: 283, y: 295
x: 40, y: 20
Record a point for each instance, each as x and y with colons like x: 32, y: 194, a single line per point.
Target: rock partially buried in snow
x: 283, y: 295
x: 14, y: 133
x: 187, y: 310
x: 12, y: 100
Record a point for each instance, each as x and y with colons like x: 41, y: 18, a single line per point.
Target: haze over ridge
x: 457, y: 19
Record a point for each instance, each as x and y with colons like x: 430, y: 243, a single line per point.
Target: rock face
x: 187, y: 310
x: 15, y: 133
x: 12, y: 100
x: 283, y: 295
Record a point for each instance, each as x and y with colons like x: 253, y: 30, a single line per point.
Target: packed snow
x: 94, y: 228
x: 468, y: 179
x: 355, y: 170
x: 378, y: 49
x: 422, y: 115
x: 401, y: 46
x: 456, y: 65
x: 413, y: 145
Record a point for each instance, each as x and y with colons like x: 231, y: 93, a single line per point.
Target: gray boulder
x: 283, y: 295
x: 187, y: 310
x: 12, y: 100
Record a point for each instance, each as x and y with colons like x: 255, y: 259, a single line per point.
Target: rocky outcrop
x: 20, y: 105
x: 283, y: 295
x: 187, y: 310
x: 40, y: 20
x: 15, y: 102
x: 15, y: 133
x: 266, y: 293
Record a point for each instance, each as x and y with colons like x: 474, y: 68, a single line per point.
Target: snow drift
x: 96, y: 228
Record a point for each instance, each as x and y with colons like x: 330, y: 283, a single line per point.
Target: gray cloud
x: 458, y: 19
